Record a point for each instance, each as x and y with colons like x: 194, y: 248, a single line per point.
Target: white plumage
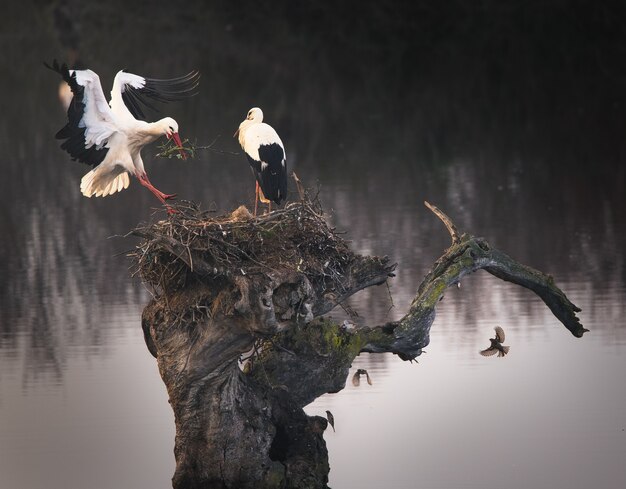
x: 98, y: 119
x: 256, y: 133
x: 102, y: 183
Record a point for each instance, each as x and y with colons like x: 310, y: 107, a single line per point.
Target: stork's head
x: 170, y: 131
x: 170, y: 127
x: 255, y: 116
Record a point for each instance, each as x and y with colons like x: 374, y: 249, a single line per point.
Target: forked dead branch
x: 224, y: 283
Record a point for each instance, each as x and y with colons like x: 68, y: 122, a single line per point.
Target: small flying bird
x: 109, y: 137
x: 331, y: 419
x: 266, y: 155
x: 496, y: 345
x: 356, y: 378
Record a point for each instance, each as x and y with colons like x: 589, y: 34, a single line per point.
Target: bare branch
x: 454, y: 234
x: 408, y: 336
x: 299, y: 186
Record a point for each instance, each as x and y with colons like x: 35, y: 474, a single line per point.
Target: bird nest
x: 196, y: 245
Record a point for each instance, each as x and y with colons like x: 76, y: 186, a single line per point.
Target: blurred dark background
x: 417, y: 82
x: 508, y: 114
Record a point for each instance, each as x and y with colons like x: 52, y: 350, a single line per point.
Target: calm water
x: 81, y: 401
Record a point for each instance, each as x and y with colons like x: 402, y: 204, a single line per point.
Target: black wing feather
x: 273, y: 179
x: 256, y: 166
x: 74, y: 135
x: 164, y: 91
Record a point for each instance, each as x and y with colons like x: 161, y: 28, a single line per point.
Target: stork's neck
x: 244, y: 126
x: 154, y: 130
x: 144, y: 133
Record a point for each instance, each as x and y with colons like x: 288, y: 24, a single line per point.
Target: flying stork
x: 109, y: 137
x: 266, y: 155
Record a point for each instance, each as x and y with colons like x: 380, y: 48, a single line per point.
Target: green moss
x: 376, y: 336
x: 330, y: 337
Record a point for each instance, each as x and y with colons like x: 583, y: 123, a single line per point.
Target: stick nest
x: 196, y: 245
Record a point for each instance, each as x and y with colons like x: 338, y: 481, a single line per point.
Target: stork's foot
x: 143, y: 179
x: 170, y: 210
x: 162, y: 196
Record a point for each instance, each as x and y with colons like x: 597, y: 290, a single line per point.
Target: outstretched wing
x: 90, y: 121
x: 488, y: 352
x: 499, y: 334
x: 136, y: 91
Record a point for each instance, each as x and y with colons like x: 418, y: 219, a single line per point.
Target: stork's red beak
x: 236, y: 132
x: 178, y: 142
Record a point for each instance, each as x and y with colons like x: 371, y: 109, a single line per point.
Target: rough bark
x: 245, y: 428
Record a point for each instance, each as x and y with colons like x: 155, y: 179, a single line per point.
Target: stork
x: 109, y: 137
x: 266, y: 155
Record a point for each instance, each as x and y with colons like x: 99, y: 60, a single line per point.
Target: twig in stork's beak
x: 179, y: 143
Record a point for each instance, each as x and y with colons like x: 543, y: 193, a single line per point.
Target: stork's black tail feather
x: 273, y: 182
x: 273, y: 177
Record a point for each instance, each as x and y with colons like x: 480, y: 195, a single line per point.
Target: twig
x: 390, y: 298
x: 169, y: 149
x: 299, y: 186
x: 210, y: 147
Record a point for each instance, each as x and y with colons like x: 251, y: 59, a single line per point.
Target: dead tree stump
x: 236, y: 325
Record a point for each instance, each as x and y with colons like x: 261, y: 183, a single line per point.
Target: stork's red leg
x: 149, y: 186
x: 154, y: 189
x: 256, y: 197
x: 163, y: 195
x: 157, y: 193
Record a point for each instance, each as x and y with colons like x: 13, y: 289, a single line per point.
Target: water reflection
x: 532, y: 160
x: 444, y: 421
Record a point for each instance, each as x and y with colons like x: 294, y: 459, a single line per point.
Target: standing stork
x: 266, y: 155
x: 109, y: 137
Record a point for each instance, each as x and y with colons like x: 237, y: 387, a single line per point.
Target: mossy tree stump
x: 256, y: 289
